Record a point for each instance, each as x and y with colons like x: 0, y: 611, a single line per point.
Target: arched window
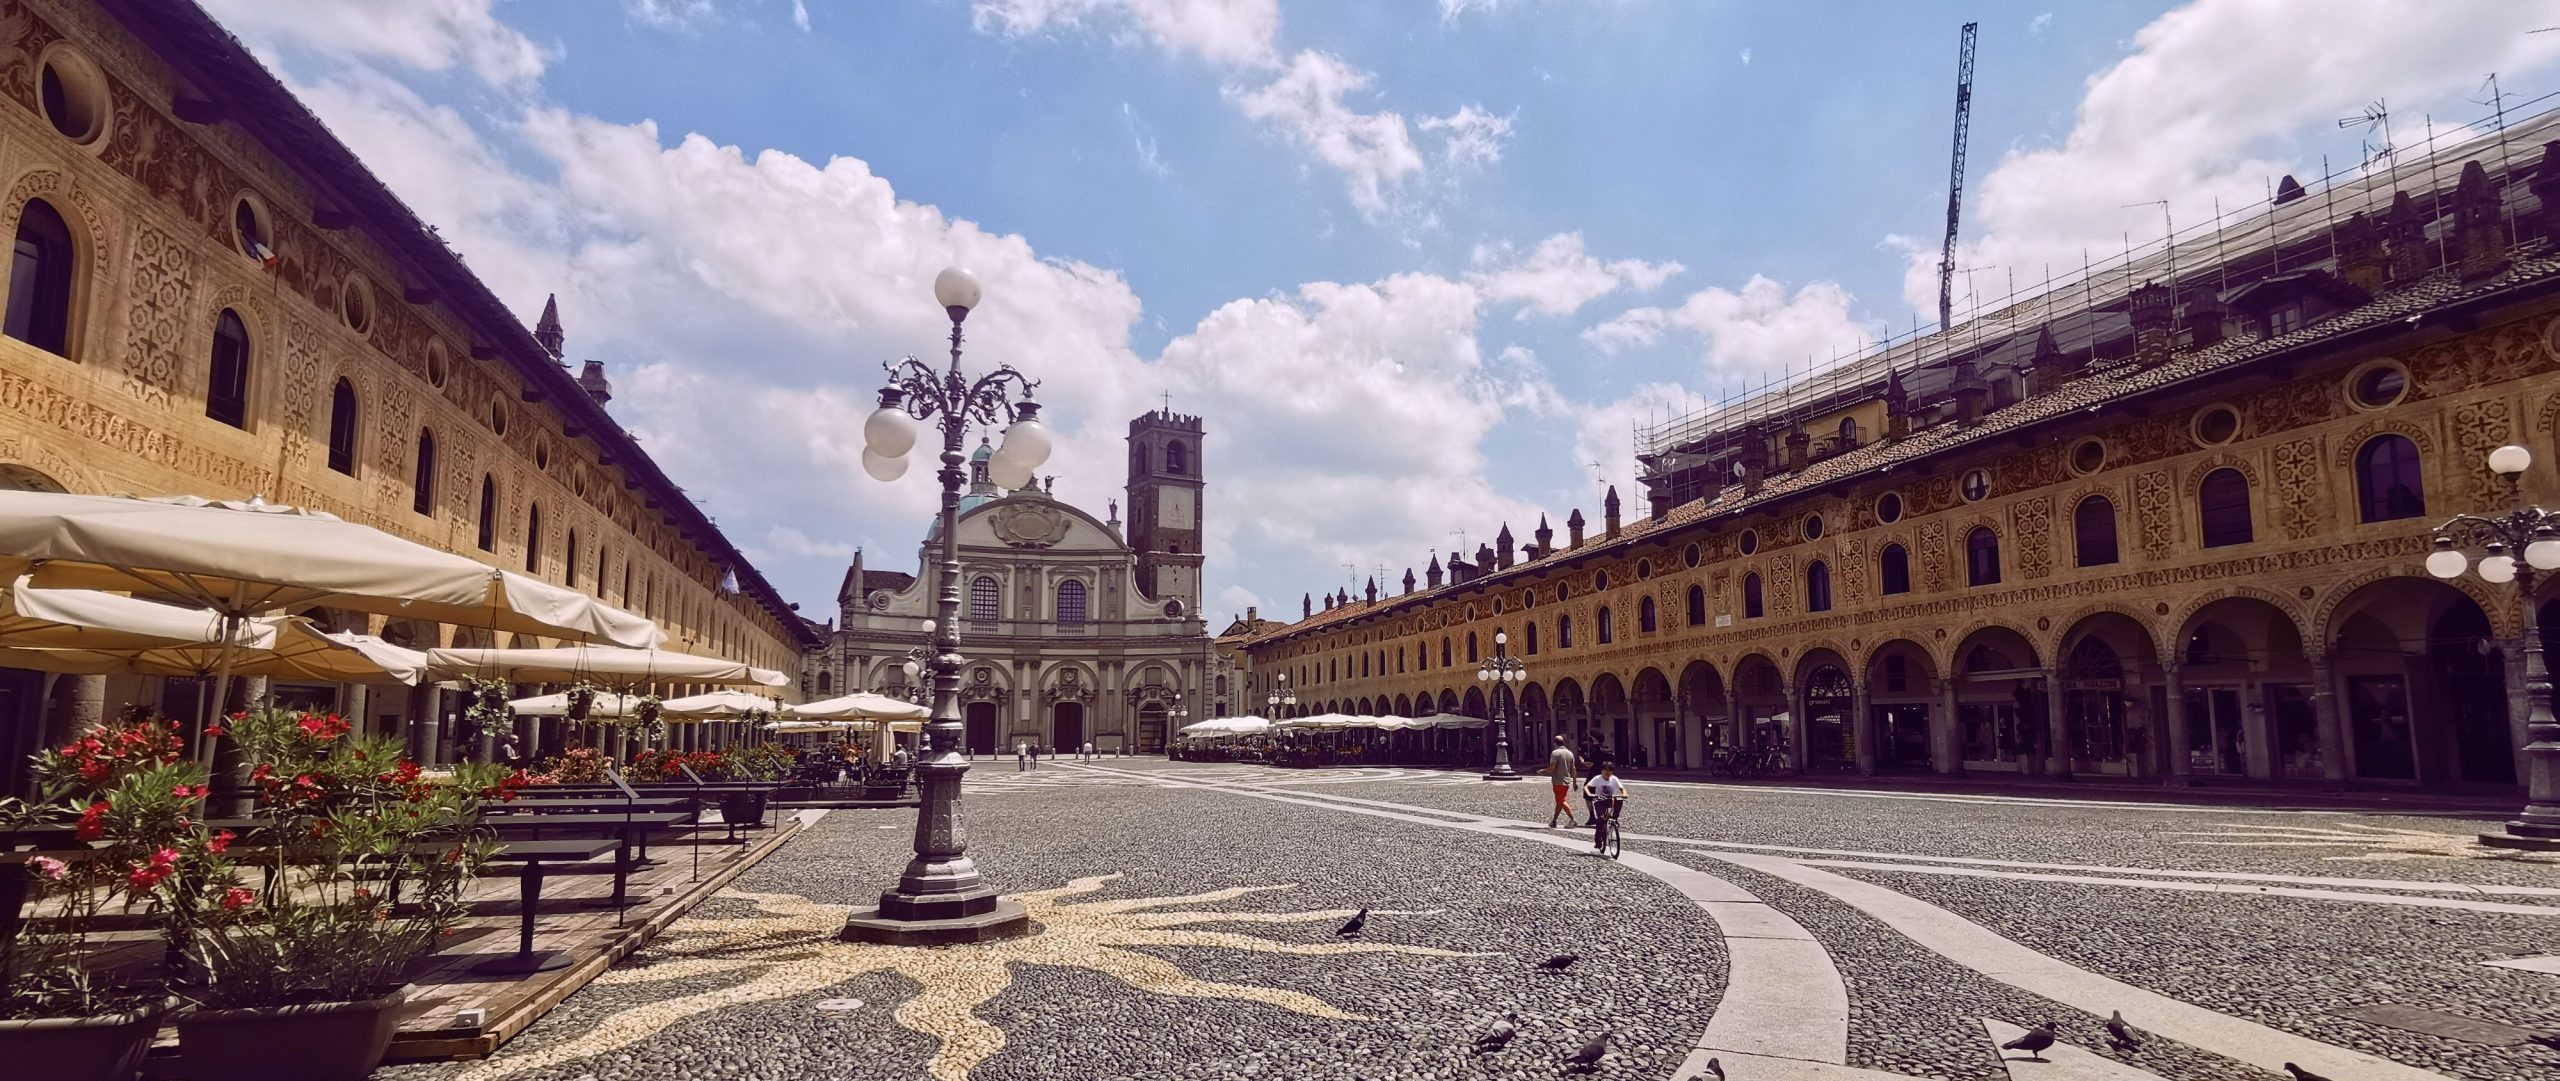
x: 1848, y: 433
x: 1564, y: 632
x: 1817, y: 586
x: 2222, y: 504
x: 1697, y: 606
x: 1422, y: 657
x: 1751, y: 601
x: 488, y: 513
x: 1893, y: 566
x: 624, y: 597
x: 570, y: 573
x: 1444, y: 653
x: 226, y: 390
x: 1530, y: 638
x: 2388, y: 486
x: 826, y: 683
x: 342, y: 428
x: 1070, y: 602
x: 1471, y: 647
x: 1646, y: 620
x: 2093, y: 531
x: 533, y: 538
x: 1177, y: 460
x: 423, y: 486
x: 1364, y: 664
x: 983, y: 599
x: 40, y: 278
x: 1982, y: 557
x: 1607, y: 625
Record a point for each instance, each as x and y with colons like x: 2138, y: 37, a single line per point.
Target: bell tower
x: 1164, y: 506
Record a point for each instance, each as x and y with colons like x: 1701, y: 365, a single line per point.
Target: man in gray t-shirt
x: 1560, y: 776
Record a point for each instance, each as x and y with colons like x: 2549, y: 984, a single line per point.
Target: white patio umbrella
x: 718, y: 706
x: 605, y: 707
x: 33, y: 618
x: 858, y: 706
x: 601, y: 664
x: 786, y: 728
x: 242, y: 559
x: 281, y: 647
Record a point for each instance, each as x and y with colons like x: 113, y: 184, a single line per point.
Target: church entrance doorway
x: 981, y: 727
x: 1066, y: 723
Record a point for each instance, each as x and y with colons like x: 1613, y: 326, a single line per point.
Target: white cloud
x: 1558, y: 277
x: 1227, y: 32
x: 1470, y: 137
x: 1373, y: 151
x: 1753, y: 333
x: 1746, y: 58
x: 800, y: 14
x: 2213, y: 103
x: 430, y: 35
x: 1605, y: 434
x: 2038, y: 25
x: 1142, y: 141
x: 668, y: 14
x: 787, y: 539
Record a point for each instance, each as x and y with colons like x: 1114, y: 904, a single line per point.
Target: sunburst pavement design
x: 789, y: 947
x: 2380, y: 843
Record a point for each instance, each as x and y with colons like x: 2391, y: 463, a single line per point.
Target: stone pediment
x: 1029, y: 525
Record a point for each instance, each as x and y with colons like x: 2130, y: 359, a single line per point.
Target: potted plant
x: 124, y: 789
x: 314, y: 959
x: 579, y: 701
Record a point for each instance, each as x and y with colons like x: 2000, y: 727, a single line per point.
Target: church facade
x: 1074, y: 630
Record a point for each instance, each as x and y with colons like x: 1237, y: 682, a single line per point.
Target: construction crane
x: 1955, y: 179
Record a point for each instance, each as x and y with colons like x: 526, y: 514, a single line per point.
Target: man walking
x: 1560, y: 776
x: 1035, y: 756
x: 1021, y: 755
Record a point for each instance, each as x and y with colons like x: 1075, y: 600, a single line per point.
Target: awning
x: 600, y: 664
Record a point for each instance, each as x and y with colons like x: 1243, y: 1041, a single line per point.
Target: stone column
x: 421, y: 720
x: 2333, y: 736
x: 2057, y: 728
x: 1798, y: 727
x: 352, y: 701
x: 1862, y: 729
x: 77, y: 702
x: 2181, y: 768
x: 1947, y: 735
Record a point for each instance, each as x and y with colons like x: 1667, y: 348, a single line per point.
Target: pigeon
x: 1715, y: 1070
x: 2120, y: 1033
x: 1499, y: 1036
x: 1588, y: 1059
x: 2300, y: 1074
x: 1559, y: 962
x: 2034, y: 1042
x: 1351, y: 927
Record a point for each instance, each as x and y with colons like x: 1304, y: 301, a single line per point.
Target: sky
x: 1421, y: 266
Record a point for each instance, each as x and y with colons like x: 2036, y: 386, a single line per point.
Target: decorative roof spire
x: 547, y: 329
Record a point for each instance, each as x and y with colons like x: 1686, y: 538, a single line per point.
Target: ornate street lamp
x: 1281, y: 695
x: 1504, y: 671
x: 940, y: 898
x: 2533, y: 533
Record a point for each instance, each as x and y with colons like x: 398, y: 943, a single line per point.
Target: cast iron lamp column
x: 2535, y: 534
x: 940, y: 898
x: 1281, y: 695
x: 1502, y: 670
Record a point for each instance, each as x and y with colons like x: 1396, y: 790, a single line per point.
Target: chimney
x: 1328, y: 602
x: 546, y: 330
x: 1609, y: 511
x: 1306, y: 605
x: 1755, y: 458
x: 2546, y: 188
x: 1502, y: 552
x: 2050, y: 366
x: 2150, y: 307
x: 1971, y: 394
x: 2406, y: 236
x: 1798, y: 443
x: 591, y: 379
x: 1897, y: 407
x: 2204, y: 315
x: 1408, y: 579
x: 1458, y: 568
x: 1252, y: 615
x: 1573, y: 529
x: 2479, y: 238
x: 1484, y: 560
x: 2360, y: 252
x: 1373, y: 589
x: 1546, y: 538
x: 1432, y: 574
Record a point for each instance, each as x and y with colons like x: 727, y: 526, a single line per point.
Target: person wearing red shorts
x: 1560, y: 765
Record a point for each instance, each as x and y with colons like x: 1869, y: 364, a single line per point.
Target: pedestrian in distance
x: 1021, y: 756
x: 1560, y: 774
x: 1607, y: 794
x: 1035, y: 756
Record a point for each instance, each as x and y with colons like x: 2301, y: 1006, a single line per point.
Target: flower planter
x: 325, y: 1041
x: 108, y: 1047
x: 742, y: 808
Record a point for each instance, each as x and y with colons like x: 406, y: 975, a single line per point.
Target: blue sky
x: 1420, y: 263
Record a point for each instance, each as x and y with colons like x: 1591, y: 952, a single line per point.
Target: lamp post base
x: 938, y: 921
x: 1502, y: 772
x: 2537, y: 831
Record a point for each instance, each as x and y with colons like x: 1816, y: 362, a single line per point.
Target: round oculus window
x: 438, y: 367
x: 1750, y: 541
x: 1600, y: 580
x: 1975, y: 485
x: 1690, y: 555
x: 1889, y: 507
x: 2378, y: 385
x: 2088, y: 456
x: 2216, y: 425
x: 1813, y: 527
x: 74, y: 96
x: 355, y: 305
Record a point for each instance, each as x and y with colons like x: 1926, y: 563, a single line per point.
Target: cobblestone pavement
x: 1791, y: 932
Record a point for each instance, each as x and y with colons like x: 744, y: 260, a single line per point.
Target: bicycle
x: 1607, y: 840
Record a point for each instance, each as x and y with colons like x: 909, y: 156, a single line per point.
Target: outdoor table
x: 591, y: 803
x: 625, y: 827
x: 533, y: 854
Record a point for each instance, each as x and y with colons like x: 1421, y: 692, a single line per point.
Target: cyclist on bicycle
x: 1608, y: 795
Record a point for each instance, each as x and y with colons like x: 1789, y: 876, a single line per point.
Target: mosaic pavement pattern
x: 1782, y: 932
